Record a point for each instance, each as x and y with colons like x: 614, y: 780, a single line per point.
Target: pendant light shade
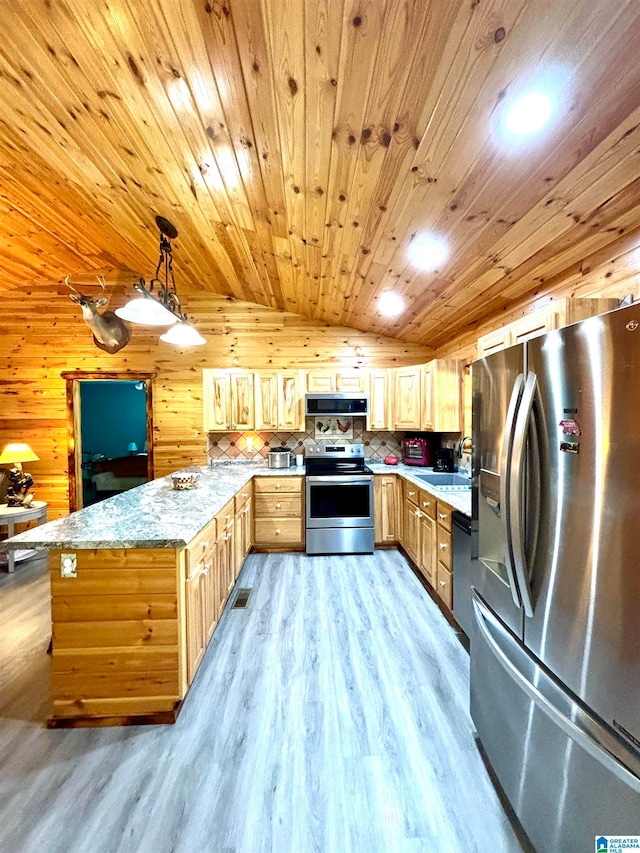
x: 182, y: 334
x: 146, y: 311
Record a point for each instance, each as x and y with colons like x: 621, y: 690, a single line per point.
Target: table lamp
x: 18, y: 493
x: 17, y: 453
x: 132, y: 447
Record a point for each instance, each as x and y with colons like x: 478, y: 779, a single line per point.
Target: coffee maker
x: 444, y: 459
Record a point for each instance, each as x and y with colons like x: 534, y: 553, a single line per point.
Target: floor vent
x: 242, y: 599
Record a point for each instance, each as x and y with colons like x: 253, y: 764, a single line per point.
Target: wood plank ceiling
x: 299, y: 146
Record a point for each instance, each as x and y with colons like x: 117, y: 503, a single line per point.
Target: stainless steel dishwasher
x: 461, y: 535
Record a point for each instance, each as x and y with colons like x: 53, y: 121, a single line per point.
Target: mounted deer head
x: 109, y: 331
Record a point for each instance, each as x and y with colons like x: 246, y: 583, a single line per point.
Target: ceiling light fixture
x: 161, y: 308
x: 428, y: 252
x: 390, y: 304
x: 529, y: 113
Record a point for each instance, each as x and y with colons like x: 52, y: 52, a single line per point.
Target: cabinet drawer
x: 277, y: 531
x: 445, y: 585
x: 200, y: 546
x: 277, y: 485
x: 444, y: 515
x: 242, y: 496
x: 411, y: 493
x: 443, y: 547
x: 427, y: 504
x: 278, y: 506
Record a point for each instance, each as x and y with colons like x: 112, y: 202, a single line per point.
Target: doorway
x: 110, y: 424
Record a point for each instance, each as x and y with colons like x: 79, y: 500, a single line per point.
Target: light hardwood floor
x: 329, y: 717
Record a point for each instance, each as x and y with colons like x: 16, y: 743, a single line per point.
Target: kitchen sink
x: 445, y: 481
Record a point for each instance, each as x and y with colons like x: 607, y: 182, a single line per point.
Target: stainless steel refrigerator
x: 555, y: 646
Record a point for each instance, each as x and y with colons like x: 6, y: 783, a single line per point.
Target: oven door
x: 339, y: 501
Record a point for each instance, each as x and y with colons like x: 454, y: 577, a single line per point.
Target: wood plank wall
x: 42, y: 335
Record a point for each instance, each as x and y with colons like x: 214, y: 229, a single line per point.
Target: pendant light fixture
x: 159, y: 304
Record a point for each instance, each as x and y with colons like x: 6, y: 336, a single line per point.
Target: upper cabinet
x: 279, y: 400
x: 442, y: 396
x: 332, y: 381
x: 557, y: 314
x: 227, y: 398
x: 407, y: 398
x: 380, y: 415
x: 428, y: 397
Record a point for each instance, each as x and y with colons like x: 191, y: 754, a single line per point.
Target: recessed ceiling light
x: 428, y: 252
x: 529, y: 113
x: 390, y: 304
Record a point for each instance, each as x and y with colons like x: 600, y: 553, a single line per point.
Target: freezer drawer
x: 568, y: 777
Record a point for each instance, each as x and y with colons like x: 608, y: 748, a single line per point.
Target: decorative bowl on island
x: 182, y: 480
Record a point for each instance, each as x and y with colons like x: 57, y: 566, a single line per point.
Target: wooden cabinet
x: 555, y: 315
x: 426, y: 537
x: 444, y: 565
x: 279, y: 400
x: 386, y: 499
x: 407, y: 398
x: 442, y: 395
x: 243, y: 527
x: 337, y: 381
x: 227, y: 557
x: 278, y: 512
x: 202, y: 596
x: 380, y: 415
x: 228, y: 400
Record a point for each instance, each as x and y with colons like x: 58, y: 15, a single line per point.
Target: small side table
x: 12, y: 515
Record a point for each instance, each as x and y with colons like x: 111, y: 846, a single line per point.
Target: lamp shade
x: 182, y: 334
x: 17, y: 452
x: 132, y: 447
x: 147, y: 312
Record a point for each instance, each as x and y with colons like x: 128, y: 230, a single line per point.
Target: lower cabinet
x: 278, y: 510
x: 426, y: 537
x: 242, y: 538
x: 387, y: 501
x: 213, y: 562
x: 444, y: 566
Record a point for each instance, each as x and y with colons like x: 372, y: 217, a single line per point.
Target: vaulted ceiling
x: 301, y: 147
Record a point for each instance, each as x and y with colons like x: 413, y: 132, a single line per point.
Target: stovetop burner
x: 336, y: 459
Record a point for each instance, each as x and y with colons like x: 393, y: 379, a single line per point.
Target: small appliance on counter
x: 417, y: 451
x: 444, y: 459
x: 279, y: 457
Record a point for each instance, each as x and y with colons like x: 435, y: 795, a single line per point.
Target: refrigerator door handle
x: 505, y: 467
x: 579, y: 725
x: 516, y: 474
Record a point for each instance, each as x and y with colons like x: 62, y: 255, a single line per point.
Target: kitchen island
x: 138, y: 584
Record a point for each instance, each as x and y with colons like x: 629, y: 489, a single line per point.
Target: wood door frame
x: 74, y: 448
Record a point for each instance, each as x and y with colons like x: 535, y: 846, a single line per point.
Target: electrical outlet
x: 68, y: 566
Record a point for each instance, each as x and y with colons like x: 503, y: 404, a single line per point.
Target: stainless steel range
x: 339, y: 506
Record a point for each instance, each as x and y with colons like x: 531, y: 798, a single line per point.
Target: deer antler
x: 101, y: 281
x: 70, y: 286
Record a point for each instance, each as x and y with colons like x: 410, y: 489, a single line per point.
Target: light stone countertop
x: 460, y: 501
x: 157, y: 516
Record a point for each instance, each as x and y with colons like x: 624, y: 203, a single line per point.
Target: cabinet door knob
x: 411, y: 493
x: 442, y: 515
x: 442, y: 583
x: 246, y: 511
x: 277, y: 485
x: 418, y: 514
x: 277, y: 531
x: 441, y: 545
x: 278, y: 505
x: 207, y: 566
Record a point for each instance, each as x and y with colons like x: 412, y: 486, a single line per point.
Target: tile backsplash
x: 252, y: 445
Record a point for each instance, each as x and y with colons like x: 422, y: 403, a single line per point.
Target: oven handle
x: 340, y: 480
